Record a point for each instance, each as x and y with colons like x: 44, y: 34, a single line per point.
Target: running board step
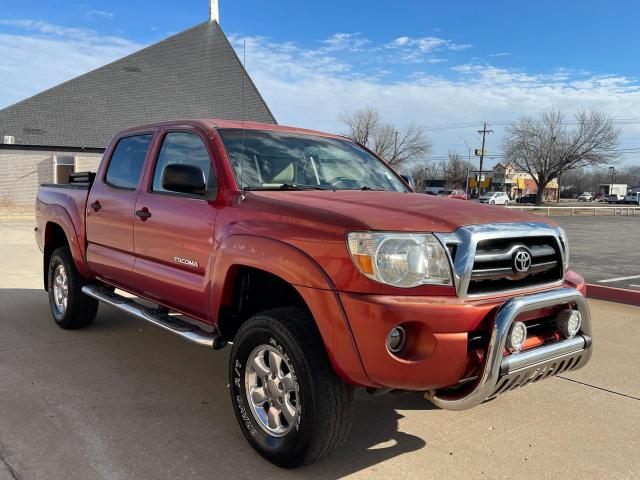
x: 186, y: 330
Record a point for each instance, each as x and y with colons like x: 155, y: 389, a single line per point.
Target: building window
x: 63, y: 167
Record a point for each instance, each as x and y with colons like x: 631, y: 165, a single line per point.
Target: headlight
x: 565, y: 246
x: 400, y: 259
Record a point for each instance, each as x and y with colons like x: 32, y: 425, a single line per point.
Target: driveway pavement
x: 605, y: 250
x: 125, y: 400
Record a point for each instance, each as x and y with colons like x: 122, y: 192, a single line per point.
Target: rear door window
x: 127, y: 161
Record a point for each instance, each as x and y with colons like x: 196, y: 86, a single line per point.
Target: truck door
x: 173, y: 230
x: 110, y: 210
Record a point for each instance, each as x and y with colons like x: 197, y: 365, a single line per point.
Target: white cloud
x: 93, y: 12
x: 416, y: 50
x: 37, y: 55
x: 310, y: 89
x: 352, y: 42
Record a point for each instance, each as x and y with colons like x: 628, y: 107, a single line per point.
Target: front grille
x: 494, y: 269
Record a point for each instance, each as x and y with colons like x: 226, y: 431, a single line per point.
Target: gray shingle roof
x: 194, y: 74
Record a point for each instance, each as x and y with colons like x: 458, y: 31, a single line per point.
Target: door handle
x: 96, y: 206
x: 144, y: 213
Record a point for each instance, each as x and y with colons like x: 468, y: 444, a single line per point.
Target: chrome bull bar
x: 503, y: 373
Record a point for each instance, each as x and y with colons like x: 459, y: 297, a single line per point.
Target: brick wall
x: 21, y: 171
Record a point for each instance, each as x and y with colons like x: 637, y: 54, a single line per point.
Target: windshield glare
x: 280, y: 160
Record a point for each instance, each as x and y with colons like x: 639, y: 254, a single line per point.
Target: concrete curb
x: 611, y: 294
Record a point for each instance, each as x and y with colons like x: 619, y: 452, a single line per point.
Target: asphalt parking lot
x: 605, y: 250
x: 125, y: 400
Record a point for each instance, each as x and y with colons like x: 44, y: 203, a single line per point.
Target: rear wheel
x: 69, y: 306
x: 290, y: 405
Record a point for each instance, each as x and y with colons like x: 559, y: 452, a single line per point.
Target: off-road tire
x: 326, y: 402
x: 80, y: 309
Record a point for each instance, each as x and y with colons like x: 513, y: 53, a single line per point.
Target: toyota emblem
x: 522, y: 261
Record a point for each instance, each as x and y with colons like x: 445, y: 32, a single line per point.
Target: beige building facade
x: 23, y: 170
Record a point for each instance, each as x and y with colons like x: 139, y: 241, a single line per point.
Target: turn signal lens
x: 400, y: 259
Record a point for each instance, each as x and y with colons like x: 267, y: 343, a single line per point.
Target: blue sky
x: 432, y: 63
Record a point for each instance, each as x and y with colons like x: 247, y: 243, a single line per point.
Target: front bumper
x: 503, y: 373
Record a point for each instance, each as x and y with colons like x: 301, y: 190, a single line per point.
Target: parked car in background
x: 528, y: 198
x: 585, y: 197
x: 494, y: 198
x: 459, y: 194
x: 614, y: 198
x: 633, y: 197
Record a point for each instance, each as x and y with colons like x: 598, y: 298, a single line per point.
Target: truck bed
x: 55, y: 200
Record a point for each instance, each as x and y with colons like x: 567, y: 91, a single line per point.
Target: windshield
x: 490, y: 194
x: 289, y: 161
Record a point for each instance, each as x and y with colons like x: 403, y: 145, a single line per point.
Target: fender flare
x: 57, y: 215
x: 312, y: 283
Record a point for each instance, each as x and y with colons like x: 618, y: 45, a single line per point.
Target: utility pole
x: 484, y: 132
x: 466, y: 186
x: 613, y: 176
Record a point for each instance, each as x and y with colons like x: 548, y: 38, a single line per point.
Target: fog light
x: 517, y: 336
x: 569, y: 322
x: 396, y: 339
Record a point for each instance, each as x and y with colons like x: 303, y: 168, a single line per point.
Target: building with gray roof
x: 194, y: 74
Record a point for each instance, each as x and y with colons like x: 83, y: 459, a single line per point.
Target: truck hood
x: 398, y: 211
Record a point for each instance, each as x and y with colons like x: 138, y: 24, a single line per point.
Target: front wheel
x: 290, y: 405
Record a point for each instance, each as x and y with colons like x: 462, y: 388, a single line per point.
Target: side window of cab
x: 184, y: 154
x: 127, y: 160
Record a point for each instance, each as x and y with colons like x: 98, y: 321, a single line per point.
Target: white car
x: 494, y: 198
x: 585, y: 197
x: 633, y: 197
x: 614, y: 198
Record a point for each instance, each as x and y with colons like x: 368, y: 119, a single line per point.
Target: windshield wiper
x: 367, y: 187
x: 286, y: 186
x: 298, y: 186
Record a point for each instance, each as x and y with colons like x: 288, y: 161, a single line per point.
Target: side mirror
x: 183, y: 178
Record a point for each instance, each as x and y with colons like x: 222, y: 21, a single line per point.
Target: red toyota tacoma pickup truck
x: 320, y: 266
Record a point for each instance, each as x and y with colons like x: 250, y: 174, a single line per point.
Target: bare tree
x: 397, y: 146
x: 546, y: 148
x: 361, y: 125
x: 455, y: 170
x: 422, y: 172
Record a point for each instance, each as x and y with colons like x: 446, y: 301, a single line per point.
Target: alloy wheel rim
x: 272, y: 390
x: 60, y: 289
